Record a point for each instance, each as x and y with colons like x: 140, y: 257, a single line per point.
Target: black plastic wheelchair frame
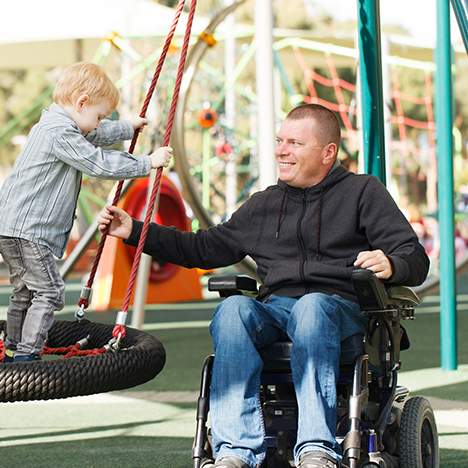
x: 378, y: 425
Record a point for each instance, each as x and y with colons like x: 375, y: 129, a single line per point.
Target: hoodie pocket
x: 282, y: 272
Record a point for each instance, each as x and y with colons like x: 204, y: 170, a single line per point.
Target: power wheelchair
x: 378, y: 423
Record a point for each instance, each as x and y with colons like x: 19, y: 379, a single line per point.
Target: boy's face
x: 88, y: 116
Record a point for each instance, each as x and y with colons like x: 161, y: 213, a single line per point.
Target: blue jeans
x: 316, y: 324
x: 38, y: 291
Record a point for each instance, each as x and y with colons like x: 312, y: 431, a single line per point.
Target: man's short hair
x: 85, y: 78
x: 329, y: 125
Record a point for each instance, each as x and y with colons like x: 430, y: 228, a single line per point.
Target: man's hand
x: 120, y: 223
x: 138, y: 122
x: 376, y: 261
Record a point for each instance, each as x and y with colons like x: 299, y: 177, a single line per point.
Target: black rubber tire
x: 419, y: 444
x: 140, y: 358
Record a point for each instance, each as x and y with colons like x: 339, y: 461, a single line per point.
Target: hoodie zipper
x: 301, y: 239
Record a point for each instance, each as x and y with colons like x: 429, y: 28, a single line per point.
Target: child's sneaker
x: 27, y: 358
x: 9, y: 353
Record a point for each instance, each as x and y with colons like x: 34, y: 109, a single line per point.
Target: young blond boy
x: 38, y: 199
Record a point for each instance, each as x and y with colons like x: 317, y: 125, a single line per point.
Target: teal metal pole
x: 443, y: 99
x: 370, y: 69
x: 460, y: 8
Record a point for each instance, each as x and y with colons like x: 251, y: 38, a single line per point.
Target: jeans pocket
x: 12, y: 254
x: 39, y: 256
x: 41, y: 268
x: 49, y: 266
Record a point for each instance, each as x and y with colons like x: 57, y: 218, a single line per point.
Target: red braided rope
x: 59, y: 350
x: 120, y: 329
x: 66, y: 351
x: 73, y: 350
x: 149, y: 94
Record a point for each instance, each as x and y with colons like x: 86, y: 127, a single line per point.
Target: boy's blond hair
x: 85, y: 78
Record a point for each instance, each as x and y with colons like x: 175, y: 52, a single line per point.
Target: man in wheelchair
x: 307, y: 234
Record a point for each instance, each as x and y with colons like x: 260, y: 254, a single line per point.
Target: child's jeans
x: 38, y: 291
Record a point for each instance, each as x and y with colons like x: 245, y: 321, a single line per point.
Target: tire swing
x: 139, y: 359
x: 98, y: 357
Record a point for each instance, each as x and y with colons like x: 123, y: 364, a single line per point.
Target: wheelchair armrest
x: 373, y: 294
x: 370, y: 291
x: 233, y: 285
x: 402, y: 295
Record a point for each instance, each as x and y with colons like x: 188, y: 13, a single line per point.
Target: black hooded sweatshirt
x: 302, y: 240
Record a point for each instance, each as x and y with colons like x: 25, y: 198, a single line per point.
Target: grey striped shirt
x: 38, y: 199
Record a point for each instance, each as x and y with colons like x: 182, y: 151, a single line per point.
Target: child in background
x: 38, y: 200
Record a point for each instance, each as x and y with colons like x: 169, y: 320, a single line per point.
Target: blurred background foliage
x: 20, y: 88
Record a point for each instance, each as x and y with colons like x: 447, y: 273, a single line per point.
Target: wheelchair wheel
x: 419, y: 445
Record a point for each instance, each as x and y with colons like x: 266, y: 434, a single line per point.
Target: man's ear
x: 329, y: 153
x: 81, y: 102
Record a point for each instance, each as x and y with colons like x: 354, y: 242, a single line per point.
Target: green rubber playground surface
x: 152, y: 425
x: 133, y: 452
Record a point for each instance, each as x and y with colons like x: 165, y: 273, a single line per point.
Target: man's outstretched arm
x: 211, y: 248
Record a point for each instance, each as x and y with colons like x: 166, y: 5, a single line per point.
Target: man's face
x: 301, y: 156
